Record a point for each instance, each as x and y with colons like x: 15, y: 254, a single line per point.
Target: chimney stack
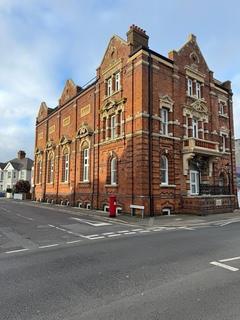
x: 21, y: 154
x: 137, y: 37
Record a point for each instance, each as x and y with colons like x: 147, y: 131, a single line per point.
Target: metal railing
x: 205, y: 189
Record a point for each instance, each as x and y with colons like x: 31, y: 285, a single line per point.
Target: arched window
x: 164, y: 170
x: 39, y: 171
x: 113, y: 171
x: 65, y: 165
x: 85, y: 161
x: 50, y: 167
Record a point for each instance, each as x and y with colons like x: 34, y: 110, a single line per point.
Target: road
x: 61, y: 265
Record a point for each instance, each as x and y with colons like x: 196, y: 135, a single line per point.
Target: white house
x: 16, y: 169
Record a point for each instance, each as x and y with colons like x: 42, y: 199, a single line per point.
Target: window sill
x: 112, y: 94
x: 84, y: 182
x: 111, y: 185
x: 223, y: 115
x: 167, y: 185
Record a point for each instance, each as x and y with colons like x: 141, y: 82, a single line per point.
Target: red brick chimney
x: 137, y: 37
x: 21, y: 154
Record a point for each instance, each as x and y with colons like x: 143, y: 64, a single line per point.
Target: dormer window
x: 190, y: 87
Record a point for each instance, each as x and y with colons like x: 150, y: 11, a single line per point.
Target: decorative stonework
x: 85, y: 110
x: 40, y: 136
x: 52, y: 129
x: 64, y: 140
x: 112, y: 106
x: 84, y: 131
x: 197, y: 109
x: 50, y: 145
x: 38, y: 151
x: 166, y: 102
x: 66, y: 121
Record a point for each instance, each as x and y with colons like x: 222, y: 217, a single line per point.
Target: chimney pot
x: 21, y: 154
x: 137, y: 37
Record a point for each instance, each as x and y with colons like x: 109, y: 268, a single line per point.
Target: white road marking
x: 229, y: 222
x: 186, y: 228
x: 144, y: 231
x: 159, y: 229
x: 49, y: 246
x: 27, y: 218
x: 225, y: 266
x: 114, y: 235
x: 67, y: 231
x: 74, y: 241
x: 95, y: 238
x: 230, y: 259
x: 137, y: 229
x: 92, y: 235
x: 92, y: 222
x: 15, y: 251
x: 131, y: 232
x: 123, y: 231
x: 107, y: 233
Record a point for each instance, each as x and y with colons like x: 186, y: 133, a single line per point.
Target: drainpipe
x: 151, y: 206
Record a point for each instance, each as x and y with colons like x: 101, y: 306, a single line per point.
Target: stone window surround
x: 113, y: 84
x: 166, y: 103
x: 107, y: 114
x: 51, y: 154
x: 194, y: 82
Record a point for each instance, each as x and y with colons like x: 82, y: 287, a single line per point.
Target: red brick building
x: 153, y: 130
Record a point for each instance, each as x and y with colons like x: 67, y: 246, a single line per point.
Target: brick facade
x: 113, y: 136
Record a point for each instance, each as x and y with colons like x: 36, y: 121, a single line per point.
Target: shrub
x: 22, y: 186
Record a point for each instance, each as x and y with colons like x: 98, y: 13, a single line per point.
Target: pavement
x: 60, y: 263
x: 177, y: 220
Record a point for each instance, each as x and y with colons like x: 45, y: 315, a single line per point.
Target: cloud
x: 43, y: 43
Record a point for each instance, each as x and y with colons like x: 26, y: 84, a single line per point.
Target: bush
x: 22, y: 186
x: 9, y: 190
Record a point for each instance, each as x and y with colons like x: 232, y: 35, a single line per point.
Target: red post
x: 112, y: 206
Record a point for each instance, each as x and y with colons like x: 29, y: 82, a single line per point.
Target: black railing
x: 213, y: 190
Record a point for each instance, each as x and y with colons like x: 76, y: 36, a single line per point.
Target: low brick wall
x: 203, y: 205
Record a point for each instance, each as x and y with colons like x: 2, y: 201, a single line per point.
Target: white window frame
x: 194, y: 183
x: 51, y: 170
x: 109, y: 87
x: 224, y: 142
x: 9, y: 175
x: 164, y: 120
x: 113, y: 126
x: 66, y: 168
x: 190, y: 87
x: 21, y: 175
x: 86, y: 164
x: 198, y: 90
x: 194, y: 128
x: 221, y: 108
x: 117, y: 81
x: 164, y: 171
x: 113, y: 168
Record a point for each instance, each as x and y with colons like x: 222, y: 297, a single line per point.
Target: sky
x: 44, y: 43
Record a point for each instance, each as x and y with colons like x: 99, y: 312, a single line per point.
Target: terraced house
x: 155, y: 131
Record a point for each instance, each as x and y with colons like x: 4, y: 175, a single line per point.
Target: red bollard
x: 112, y: 206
